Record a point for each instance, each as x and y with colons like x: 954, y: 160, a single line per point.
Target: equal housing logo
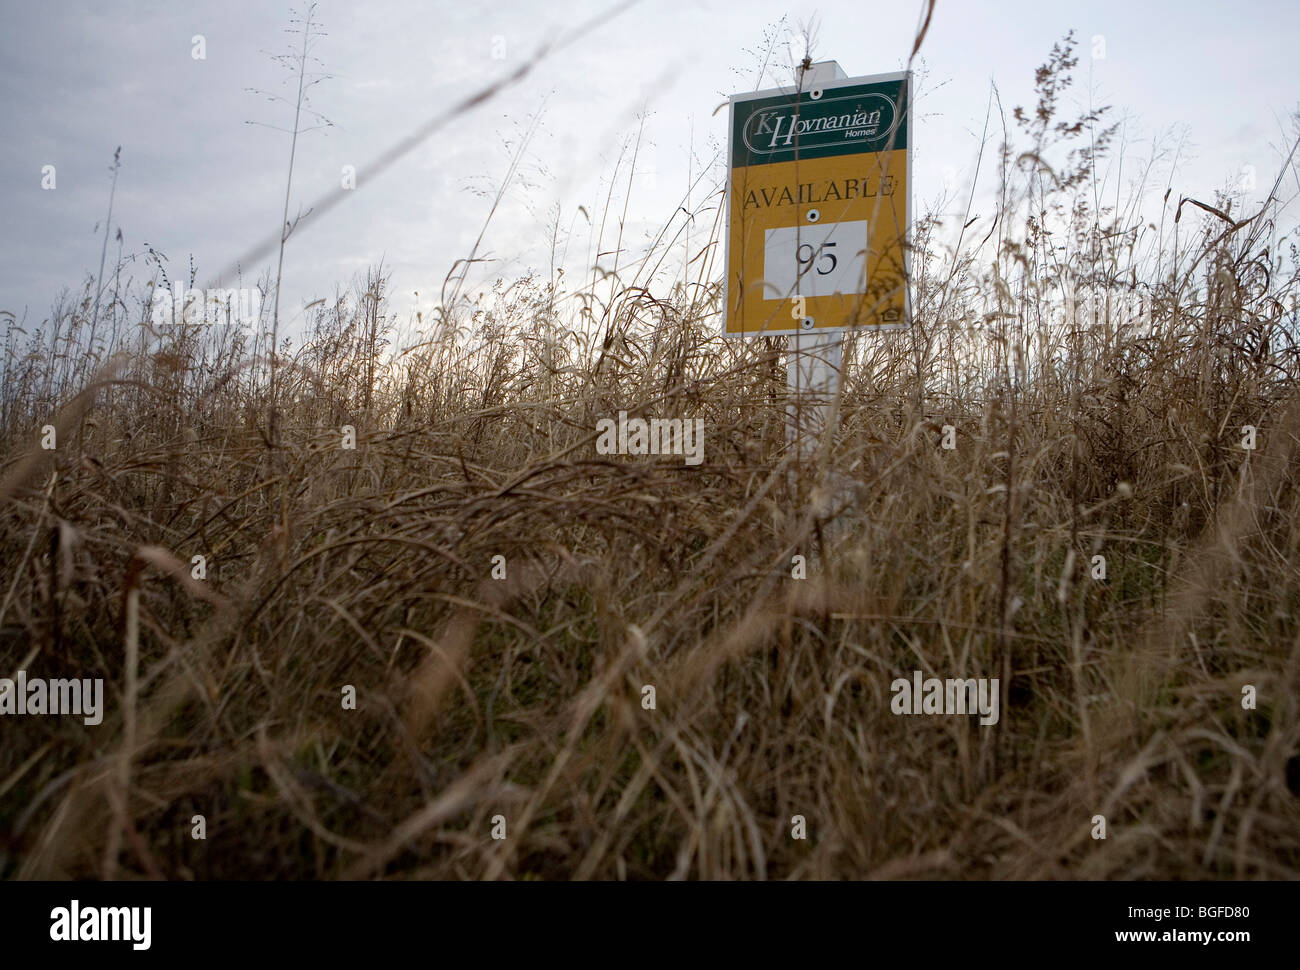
x: 953, y: 696
x: 35, y: 695
x: 75, y: 923
x: 657, y: 436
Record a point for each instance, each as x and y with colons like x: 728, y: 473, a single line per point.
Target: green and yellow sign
x: 819, y: 207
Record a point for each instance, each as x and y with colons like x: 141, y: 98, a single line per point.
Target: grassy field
x: 1098, y: 365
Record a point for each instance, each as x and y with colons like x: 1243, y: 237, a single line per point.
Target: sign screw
x: 813, y: 215
x: 806, y: 323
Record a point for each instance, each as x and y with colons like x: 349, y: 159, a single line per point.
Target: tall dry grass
x: 1083, y: 429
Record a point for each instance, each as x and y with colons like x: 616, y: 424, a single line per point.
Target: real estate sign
x: 819, y: 207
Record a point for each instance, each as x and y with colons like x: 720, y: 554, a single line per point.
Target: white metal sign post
x: 819, y: 203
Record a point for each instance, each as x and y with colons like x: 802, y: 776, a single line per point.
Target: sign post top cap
x: 823, y: 71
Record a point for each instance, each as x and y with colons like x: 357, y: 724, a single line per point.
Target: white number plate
x: 815, y: 260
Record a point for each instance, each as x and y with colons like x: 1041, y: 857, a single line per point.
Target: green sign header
x: 850, y: 120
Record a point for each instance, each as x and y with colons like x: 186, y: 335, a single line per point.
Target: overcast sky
x: 197, y: 181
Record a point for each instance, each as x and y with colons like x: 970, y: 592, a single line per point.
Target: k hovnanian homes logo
x: 862, y: 118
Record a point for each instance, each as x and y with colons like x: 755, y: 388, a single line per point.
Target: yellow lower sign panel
x: 816, y: 243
